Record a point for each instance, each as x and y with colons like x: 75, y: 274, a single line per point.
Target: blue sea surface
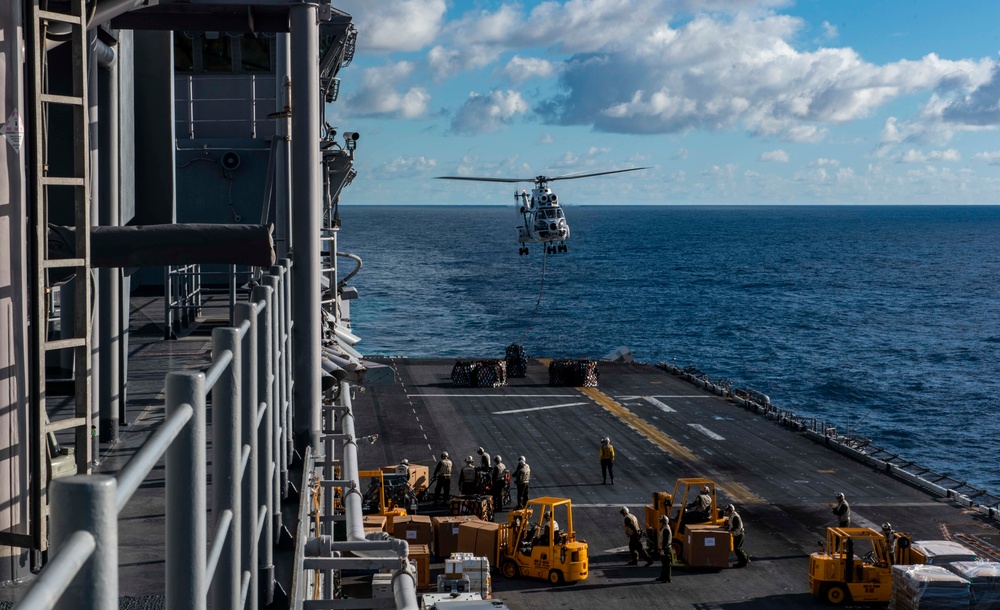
x: 884, y: 319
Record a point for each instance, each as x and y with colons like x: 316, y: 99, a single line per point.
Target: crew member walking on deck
x: 634, y: 533
x: 734, y: 523
x: 843, y: 511
x: 522, y: 476
x: 666, y: 538
x: 499, y: 479
x: 468, y: 478
x: 607, y: 454
x: 442, y: 472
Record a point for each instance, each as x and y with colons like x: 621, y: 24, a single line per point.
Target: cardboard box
x: 391, y: 516
x: 419, y: 475
x: 420, y: 554
x: 486, y: 541
x: 446, y: 533
x: 374, y: 523
x: 707, y: 546
x: 467, y: 534
x: 414, y: 529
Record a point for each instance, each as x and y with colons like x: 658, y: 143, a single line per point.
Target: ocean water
x: 884, y: 319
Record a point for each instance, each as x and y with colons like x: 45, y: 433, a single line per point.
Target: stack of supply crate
x: 466, y: 570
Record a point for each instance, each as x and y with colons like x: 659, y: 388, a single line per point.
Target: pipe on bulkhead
x: 306, y: 211
x: 404, y: 585
x: 103, y: 11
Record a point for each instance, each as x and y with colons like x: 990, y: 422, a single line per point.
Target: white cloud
x: 993, y: 158
x: 823, y: 162
x: 714, y: 73
x: 404, y: 167
x: 916, y: 156
x: 386, y: 26
x: 488, y: 113
x: 829, y: 30
x: 775, y: 156
x: 681, y: 154
x: 377, y: 95
x: 520, y: 69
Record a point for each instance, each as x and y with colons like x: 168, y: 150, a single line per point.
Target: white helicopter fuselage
x: 544, y: 220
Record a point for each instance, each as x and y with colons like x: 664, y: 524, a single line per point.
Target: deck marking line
x: 735, y: 490
x: 571, y: 404
x: 658, y: 438
x: 707, y: 432
x: 659, y: 405
x: 491, y: 396
x: 666, y: 396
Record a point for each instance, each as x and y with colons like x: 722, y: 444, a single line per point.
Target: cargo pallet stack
x: 574, y: 373
x: 479, y: 374
x: 517, y: 361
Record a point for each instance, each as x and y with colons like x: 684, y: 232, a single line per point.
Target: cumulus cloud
x: 520, y: 69
x: 488, y: 113
x: 387, y: 26
x: 993, y: 158
x: 981, y: 107
x: 824, y: 162
x: 775, y: 156
x: 404, y: 167
x: 829, y: 30
x: 917, y: 156
x: 378, y: 97
x: 715, y: 73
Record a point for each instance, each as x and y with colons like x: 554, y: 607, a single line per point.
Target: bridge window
x: 255, y: 53
x: 216, y: 52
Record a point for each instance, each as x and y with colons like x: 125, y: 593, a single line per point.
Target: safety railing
x: 235, y: 103
x: 188, y: 289
x: 250, y: 384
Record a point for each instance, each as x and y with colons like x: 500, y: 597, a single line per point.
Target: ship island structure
x: 187, y: 419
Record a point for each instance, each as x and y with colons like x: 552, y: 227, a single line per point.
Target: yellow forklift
x: 377, y: 502
x: 856, y: 565
x: 708, y: 524
x: 538, y: 541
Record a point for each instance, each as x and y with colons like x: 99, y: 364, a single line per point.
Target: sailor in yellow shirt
x: 607, y: 461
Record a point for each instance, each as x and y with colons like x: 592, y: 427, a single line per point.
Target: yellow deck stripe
x: 641, y: 426
x: 735, y: 490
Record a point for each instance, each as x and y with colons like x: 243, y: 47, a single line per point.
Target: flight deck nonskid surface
x: 662, y: 428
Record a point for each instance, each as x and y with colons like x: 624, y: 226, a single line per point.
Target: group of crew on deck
x: 471, y: 477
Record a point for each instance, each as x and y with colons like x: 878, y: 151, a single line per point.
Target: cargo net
x: 517, y: 361
x: 478, y: 505
x: 479, y: 374
x: 575, y: 373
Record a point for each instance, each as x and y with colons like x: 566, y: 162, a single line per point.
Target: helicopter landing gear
x: 563, y: 248
x: 522, y: 251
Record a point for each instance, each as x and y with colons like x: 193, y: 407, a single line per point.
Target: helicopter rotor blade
x: 576, y: 175
x: 473, y: 179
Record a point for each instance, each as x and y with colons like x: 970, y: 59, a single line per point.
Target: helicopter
x: 544, y: 220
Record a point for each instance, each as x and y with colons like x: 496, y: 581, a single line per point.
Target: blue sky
x: 728, y: 101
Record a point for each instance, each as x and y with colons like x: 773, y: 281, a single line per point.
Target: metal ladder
x: 41, y: 100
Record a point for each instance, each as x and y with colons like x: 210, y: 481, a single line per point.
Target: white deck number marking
x: 707, y: 432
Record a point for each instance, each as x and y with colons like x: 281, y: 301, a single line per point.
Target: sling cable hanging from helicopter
x: 538, y: 302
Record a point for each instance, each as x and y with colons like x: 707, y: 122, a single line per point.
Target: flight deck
x: 782, y: 482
